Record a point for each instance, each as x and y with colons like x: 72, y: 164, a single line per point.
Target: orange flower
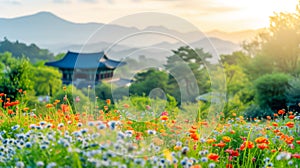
x: 2, y: 94
x: 195, y: 136
x: 164, y: 117
x: 108, y: 101
x: 291, y: 117
x: 275, y: 115
x: 76, y: 118
x: 126, y: 106
x: 25, y: 108
x: 226, y: 138
x: 262, y: 146
x: 260, y: 140
x: 177, y: 148
x: 162, y: 131
x: 192, y: 131
x: 210, y: 140
x: 10, y: 112
x: 203, y: 123
x: 289, y: 140
x: 280, y: 112
x: 273, y: 150
x: 269, y: 118
x: 196, y: 166
x: 274, y: 124
x: 49, y: 105
x: 247, y: 144
x: 105, y: 108
x: 213, y: 156
x: 290, y: 124
x: 129, y: 122
x: 64, y: 108
x: 220, y: 145
x: 298, y: 142
x: 232, y: 132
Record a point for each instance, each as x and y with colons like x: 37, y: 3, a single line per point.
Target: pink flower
x: 77, y: 99
x: 292, y: 146
x: 164, y: 113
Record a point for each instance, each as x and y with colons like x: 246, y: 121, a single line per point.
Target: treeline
x: 32, y: 51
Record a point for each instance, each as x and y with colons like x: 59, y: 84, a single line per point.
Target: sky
x: 207, y: 15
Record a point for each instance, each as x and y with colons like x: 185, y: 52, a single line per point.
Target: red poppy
x: 291, y: 117
x: 229, y: 166
x: 232, y: 152
x: 213, y: 156
x: 296, y: 155
x: 262, y: 146
x: 290, y: 124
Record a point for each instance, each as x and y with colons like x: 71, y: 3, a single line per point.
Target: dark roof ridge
x: 85, y: 53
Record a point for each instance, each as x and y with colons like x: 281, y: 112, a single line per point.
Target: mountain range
x: 58, y: 35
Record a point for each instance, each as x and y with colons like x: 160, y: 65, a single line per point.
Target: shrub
x: 255, y: 111
x: 271, y: 91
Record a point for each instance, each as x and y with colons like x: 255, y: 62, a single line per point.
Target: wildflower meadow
x: 56, y: 136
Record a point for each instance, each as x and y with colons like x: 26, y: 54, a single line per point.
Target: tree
x: 188, y: 70
x: 271, y: 90
x: 47, y: 80
x: 146, y: 81
x: 277, y: 49
x: 104, y: 91
x: 19, y: 50
x: 15, y: 75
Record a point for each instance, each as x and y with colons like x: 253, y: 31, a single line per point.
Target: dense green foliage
x: 32, y: 51
x: 271, y: 90
x: 14, y: 75
x: 47, y: 80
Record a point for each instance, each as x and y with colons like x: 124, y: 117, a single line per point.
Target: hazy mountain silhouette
x: 58, y: 35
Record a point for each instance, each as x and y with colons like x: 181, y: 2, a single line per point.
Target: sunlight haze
x: 207, y: 15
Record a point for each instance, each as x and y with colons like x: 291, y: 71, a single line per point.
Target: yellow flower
x: 226, y: 138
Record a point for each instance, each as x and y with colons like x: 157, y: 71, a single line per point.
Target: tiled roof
x: 73, y: 60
